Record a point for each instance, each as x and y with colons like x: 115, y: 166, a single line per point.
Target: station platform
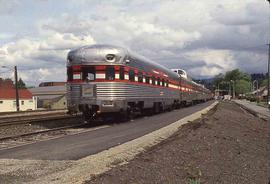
x: 259, y: 111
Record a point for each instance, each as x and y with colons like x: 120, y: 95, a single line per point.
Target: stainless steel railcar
x: 104, y: 79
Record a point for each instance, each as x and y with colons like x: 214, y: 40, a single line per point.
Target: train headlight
x: 110, y: 57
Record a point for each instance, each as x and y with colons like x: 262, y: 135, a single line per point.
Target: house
x: 8, y: 98
x: 261, y: 92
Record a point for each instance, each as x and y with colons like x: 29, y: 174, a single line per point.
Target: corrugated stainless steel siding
x: 116, y: 90
x: 126, y: 90
x: 73, y: 93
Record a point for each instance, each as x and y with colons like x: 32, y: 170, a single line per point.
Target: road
x: 74, y: 147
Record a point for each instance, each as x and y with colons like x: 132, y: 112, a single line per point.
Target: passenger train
x: 105, y: 79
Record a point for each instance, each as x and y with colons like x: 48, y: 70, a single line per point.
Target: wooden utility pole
x: 16, y: 88
x: 268, y: 76
x: 268, y: 65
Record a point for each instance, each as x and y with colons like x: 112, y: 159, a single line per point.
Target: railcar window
x: 131, y: 75
x: 122, y: 73
x: 88, y: 73
x: 153, y: 80
x: 158, y: 81
x: 140, y: 77
x: 167, y: 83
x: 147, y: 79
x: 180, y: 72
x: 163, y: 82
x: 70, y: 73
x: 110, y: 73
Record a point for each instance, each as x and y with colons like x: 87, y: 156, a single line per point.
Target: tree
x: 218, y: 79
x: 264, y: 82
x: 236, y: 74
x: 21, y: 84
x: 242, y: 86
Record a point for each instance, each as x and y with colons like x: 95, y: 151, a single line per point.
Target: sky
x: 204, y: 37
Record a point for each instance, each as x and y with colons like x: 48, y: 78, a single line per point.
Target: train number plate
x: 87, y: 90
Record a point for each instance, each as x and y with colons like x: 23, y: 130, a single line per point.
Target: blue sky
x: 204, y: 37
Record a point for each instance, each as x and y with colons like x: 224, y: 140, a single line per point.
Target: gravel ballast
x: 228, y: 145
x: 99, y: 163
x: 42, y: 171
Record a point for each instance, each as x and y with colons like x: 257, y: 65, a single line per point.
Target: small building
x: 44, y: 84
x: 8, y: 100
x: 59, y: 103
x: 50, y: 97
x: 261, y: 93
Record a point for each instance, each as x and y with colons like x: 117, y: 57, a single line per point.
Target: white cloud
x: 65, y: 41
x: 216, y: 61
x: 43, y: 58
x: 205, y: 37
x: 7, y: 7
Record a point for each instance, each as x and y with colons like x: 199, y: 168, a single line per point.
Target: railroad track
x: 44, y: 133
x: 41, y: 131
x: 17, y: 130
x: 34, y: 119
x: 29, y: 138
x: 34, y: 112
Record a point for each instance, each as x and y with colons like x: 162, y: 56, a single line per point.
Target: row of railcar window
x: 89, y: 73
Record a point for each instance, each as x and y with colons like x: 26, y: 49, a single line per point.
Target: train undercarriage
x: 128, y: 110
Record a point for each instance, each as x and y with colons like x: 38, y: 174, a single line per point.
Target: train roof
x: 97, y: 54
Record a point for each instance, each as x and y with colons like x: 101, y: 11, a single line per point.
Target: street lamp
x: 253, y: 84
x: 233, y: 88
x: 257, y: 87
x: 16, y: 85
x: 229, y: 90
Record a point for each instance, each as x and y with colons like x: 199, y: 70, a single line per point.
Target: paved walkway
x: 260, y: 111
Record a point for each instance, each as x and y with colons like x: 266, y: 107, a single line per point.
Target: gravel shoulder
x: 227, y: 145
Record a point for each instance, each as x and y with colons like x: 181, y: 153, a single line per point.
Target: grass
x: 262, y: 104
x: 193, y: 181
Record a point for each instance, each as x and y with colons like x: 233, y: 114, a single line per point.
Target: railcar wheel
x: 171, y: 107
x: 156, y: 108
x: 128, y: 115
x: 89, y: 117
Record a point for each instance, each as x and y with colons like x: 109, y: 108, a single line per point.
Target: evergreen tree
x: 21, y: 84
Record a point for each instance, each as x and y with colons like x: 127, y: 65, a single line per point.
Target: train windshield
x: 122, y: 73
x: 110, y: 73
x: 180, y: 72
x: 88, y: 73
x: 131, y: 75
x: 140, y: 77
x: 69, y: 74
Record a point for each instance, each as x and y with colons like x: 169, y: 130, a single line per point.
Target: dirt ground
x: 227, y: 145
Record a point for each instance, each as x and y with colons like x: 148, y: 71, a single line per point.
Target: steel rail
x: 36, y: 119
x: 31, y: 115
x: 40, y: 132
